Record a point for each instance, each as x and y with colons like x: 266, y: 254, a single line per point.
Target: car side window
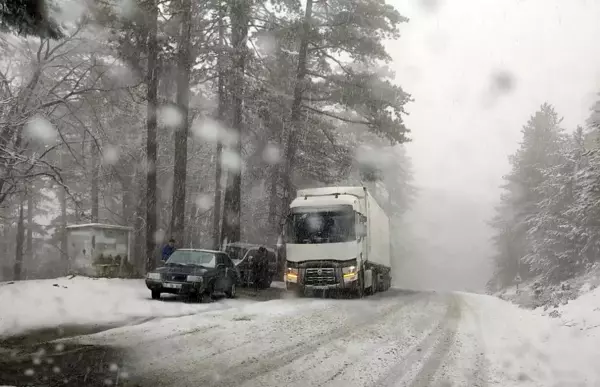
x: 228, y: 262
x: 220, y: 260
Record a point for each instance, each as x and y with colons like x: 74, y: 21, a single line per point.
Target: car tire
x: 155, y: 294
x: 209, y: 293
x: 232, y: 292
x: 199, y: 297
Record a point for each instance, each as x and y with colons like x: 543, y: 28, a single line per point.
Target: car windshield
x: 331, y: 226
x: 189, y: 257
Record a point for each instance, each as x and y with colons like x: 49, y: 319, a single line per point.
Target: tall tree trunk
x: 151, y: 125
x: 139, y: 250
x: 62, y: 198
x: 183, y: 96
x: 95, y: 177
x: 296, y: 114
x: 216, y: 224
x: 18, y: 266
x: 29, y: 245
x: 231, y: 230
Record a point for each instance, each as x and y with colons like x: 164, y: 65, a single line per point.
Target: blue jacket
x: 167, y: 251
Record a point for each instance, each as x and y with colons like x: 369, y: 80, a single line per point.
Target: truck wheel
x: 156, y: 294
x: 387, y: 282
x: 360, y: 291
x: 374, y: 283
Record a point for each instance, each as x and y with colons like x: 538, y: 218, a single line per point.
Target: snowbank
x: 525, y: 348
x: 581, y: 315
x: 535, y: 294
x: 28, y: 305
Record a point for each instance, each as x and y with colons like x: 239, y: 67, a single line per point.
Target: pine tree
x: 554, y: 235
x: 28, y: 17
x: 538, y: 151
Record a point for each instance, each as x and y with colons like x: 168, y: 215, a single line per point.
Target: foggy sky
x: 464, y: 125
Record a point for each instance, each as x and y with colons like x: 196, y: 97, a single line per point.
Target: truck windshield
x: 321, y: 227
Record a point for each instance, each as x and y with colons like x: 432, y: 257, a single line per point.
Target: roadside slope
x: 38, y: 304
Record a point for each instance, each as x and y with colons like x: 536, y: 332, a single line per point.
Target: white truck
x: 337, y: 238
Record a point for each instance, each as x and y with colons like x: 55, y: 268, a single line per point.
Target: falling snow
x: 126, y: 8
x: 40, y: 129
x: 231, y: 161
x: 169, y: 116
x: 110, y: 155
x: 208, y: 130
x: 159, y: 236
x: 272, y: 154
x: 204, y: 202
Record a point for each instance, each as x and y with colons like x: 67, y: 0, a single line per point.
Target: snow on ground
x: 534, y: 293
x: 27, y: 305
x: 581, y: 315
x: 294, y: 342
x: 525, y: 348
x: 574, y: 303
x: 390, y: 338
x: 446, y: 339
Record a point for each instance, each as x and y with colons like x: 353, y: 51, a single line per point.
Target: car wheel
x: 155, y: 295
x: 199, y: 297
x: 209, y: 293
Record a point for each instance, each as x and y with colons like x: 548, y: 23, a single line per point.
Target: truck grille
x: 320, y: 276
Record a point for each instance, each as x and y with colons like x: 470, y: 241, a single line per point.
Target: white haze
x: 477, y: 70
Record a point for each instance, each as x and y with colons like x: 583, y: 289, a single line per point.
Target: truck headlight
x: 194, y: 278
x: 291, y: 275
x: 350, y: 273
x: 153, y: 276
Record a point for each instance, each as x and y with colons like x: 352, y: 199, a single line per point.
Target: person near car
x: 258, y: 267
x: 168, y: 249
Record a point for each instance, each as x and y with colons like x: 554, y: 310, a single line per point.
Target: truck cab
x: 329, y: 241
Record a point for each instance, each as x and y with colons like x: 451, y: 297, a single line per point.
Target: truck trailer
x: 337, y: 239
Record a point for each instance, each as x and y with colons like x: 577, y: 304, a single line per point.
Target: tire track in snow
x: 480, y: 375
x: 442, y: 346
x: 371, y: 357
x: 430, y: 351
x: 273, y: 360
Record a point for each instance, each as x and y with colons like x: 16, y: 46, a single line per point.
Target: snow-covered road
x: 392, y: 339
x: 396, y: 338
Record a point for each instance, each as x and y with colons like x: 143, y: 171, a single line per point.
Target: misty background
x: 477, y: 70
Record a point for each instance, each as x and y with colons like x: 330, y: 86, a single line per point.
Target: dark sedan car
x: 195, y: 273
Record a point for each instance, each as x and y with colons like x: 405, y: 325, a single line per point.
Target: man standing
x: 168, y: 249
x: 258, y: 267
